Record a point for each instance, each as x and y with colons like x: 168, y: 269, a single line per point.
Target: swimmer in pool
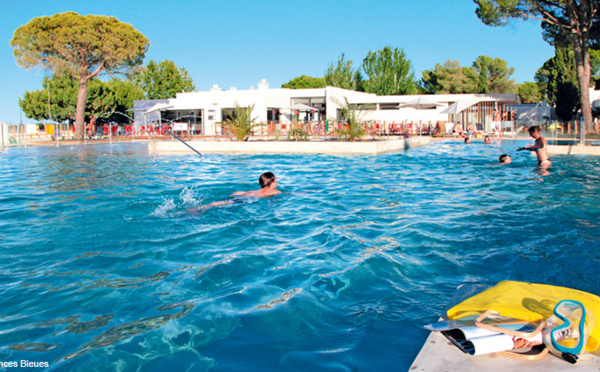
x: 268, y: 187
x: 487, y: 140
x: 540, y: 146
x: 467, y: 139
x: 505, y: 159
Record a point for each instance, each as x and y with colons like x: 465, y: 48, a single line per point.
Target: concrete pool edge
x: 288, y: 147
x: 573, y: 150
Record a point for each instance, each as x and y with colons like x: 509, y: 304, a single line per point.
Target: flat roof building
x: 204, y: 111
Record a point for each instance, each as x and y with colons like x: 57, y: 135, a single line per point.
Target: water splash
x: 188, y: 198
x: 164, y: 209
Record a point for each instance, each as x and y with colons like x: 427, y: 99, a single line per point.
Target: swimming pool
x: 105, y: 267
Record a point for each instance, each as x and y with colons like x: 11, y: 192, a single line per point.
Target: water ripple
x: 106, y: 265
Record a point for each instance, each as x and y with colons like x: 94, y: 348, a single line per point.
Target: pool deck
x: 438, y: 354
x: 290, y: 147
x: 573, y: 150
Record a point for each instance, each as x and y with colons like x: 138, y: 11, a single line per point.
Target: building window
x: 273, y: 114
x: 389, y: 106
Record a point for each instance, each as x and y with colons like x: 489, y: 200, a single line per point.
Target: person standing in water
x: 540, y: 146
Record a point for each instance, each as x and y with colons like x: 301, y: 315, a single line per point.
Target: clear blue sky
x: 237, y: 43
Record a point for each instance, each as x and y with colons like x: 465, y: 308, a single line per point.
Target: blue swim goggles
x: 570, y: 338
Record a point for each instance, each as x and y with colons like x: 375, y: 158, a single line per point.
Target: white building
x: 203, y: 112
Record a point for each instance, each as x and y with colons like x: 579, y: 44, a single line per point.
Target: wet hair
x: 487, y: 137
x: 533, y: 129
x: 503, y: 158
x: 467, y: 139
x: 266, y: 179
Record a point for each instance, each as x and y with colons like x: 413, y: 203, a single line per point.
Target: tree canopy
x: 493, y: 76
x: 574, y: 21
x: 163, y: 80
x: 80, y: 46
x: 102, y: 98
x: 529, y: 92
x: 342, y: 75
x: 388, y: 72
x: 305, y: 82
x: 449, y: 78
x: 558, y: 83
x: 487, y: 75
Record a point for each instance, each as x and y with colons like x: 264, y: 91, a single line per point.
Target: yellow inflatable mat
x: 529, y: 301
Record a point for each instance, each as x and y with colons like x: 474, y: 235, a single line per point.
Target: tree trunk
x: 582, y: 61
x: 80, y: 113
x: 581, y: 16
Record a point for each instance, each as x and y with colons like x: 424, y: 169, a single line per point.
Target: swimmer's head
x: 266, y: 179
x: 505, y: 159
x: 467, y: 139
x: 534, y: 131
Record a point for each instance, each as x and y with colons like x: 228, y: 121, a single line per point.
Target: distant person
x: 487, y: 140
x: 496, y: 120
x: 93, y: 124
x: 470, y: 129
x: 268, y: 187
x: 505, y: 159
x: 540, y: 146
x: 458, y: 129
x: 467, y: 139
x: 90, y: 130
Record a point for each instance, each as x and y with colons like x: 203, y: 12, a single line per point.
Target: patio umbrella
x: 422, y: 103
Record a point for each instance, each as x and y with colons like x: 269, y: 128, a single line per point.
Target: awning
x: 161, y: 106
x: 303, y: 107
x: 421, y: 103
x: 460, y: 105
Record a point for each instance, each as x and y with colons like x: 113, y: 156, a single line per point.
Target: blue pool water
x: 105, y: 267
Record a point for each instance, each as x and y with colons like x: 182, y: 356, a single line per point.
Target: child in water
x: 268, y: 187
x: 505, y: 159
x: 540, y: 146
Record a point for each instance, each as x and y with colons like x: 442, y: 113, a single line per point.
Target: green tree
x: 240, y: 122
x: 389, y: 72
x: 63, y: 99
x: 595, y: 68
x: 102, y: 98
x: 305, y: 82
x: 81, y: 46
x: 576, y: 20
x: 529, y: 92
x: 558, y: 83
x: 342, y: 75
x: 163, y: 80
x: 449, y: 78
x: 353, y: 128
x: 493, y: 75
x: 121, y: 94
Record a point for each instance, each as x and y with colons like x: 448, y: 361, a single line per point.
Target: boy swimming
x: 268, y: 187
x: 540, y: 146
x: 505, y: 159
